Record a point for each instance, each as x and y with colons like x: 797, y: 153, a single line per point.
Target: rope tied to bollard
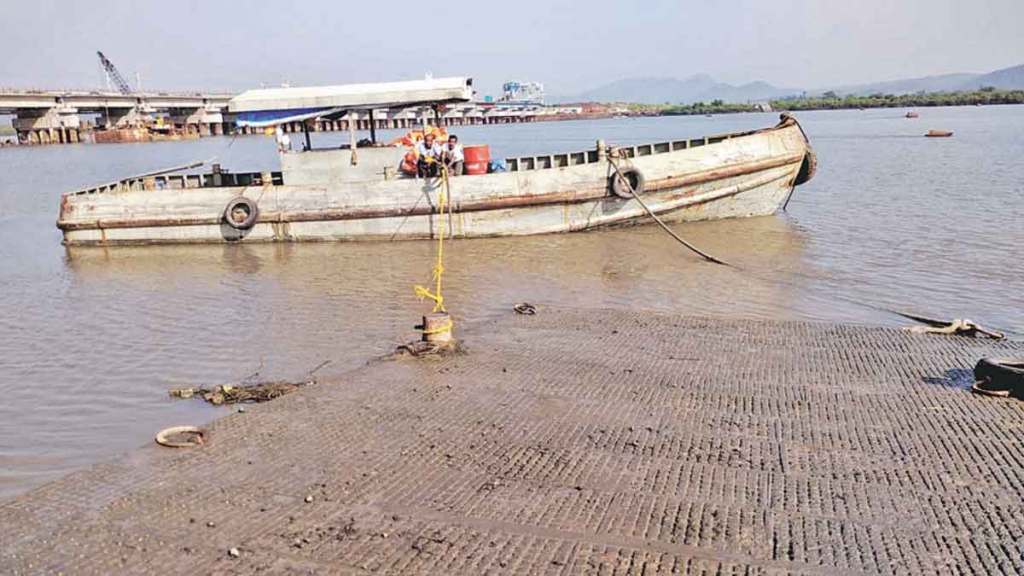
x: 438, y: 270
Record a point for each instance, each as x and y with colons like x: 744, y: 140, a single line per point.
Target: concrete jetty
x: 577, y: 441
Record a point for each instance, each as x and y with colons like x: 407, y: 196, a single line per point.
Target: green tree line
x: 833, y: 101
x: 713, y: 107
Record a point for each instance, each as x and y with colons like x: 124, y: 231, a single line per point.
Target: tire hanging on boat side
x: 241, y: 213
x: 635, y: 180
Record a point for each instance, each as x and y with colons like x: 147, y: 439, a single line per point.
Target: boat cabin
x: 355, y: 161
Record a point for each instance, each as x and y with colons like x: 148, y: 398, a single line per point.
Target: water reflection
x: 629, y: 267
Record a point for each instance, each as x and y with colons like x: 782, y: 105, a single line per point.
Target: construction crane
x: 112, y: 73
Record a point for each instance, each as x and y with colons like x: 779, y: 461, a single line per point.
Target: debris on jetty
x: 957, y: 327
x: 231, y: 394
x: 181, y: 437
x: 419, y: 349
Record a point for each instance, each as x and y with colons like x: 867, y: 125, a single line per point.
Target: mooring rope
x: 629, y: 187
x: 438, y: 271
x: 772, y: 276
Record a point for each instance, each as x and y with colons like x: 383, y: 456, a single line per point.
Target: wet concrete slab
x: 577, y: 441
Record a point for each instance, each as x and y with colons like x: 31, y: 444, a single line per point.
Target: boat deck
x: 577, y: 442
x: 175, y: 180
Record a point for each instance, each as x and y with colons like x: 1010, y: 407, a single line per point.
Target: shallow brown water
x: 92, y: 339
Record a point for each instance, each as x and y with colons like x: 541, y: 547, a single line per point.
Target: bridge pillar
x: 43, y: 126
x: 201, y: 120
x: 113, y: 118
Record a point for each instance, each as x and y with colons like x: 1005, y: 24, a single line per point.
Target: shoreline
x: 572, y: 439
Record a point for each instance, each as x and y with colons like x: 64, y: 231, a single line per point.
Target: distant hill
x: 941, y: 83
x: 697, y: 88
x: 704, y: 88
x: 1006, y: 79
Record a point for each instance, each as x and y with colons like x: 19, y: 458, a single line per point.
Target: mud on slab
x: 577, y: 442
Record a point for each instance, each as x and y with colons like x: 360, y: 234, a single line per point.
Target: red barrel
x: 477, y: 159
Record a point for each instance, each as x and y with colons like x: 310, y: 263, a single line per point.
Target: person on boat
x: 453, y: 156
x: 429, y: 154
x: 284, y: 143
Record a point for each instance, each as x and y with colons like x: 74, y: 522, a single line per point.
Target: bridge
x: 47, y: 116
x: 56, y: 117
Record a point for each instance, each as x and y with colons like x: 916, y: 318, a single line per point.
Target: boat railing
x: 524, y: 163
x: 216, y: 179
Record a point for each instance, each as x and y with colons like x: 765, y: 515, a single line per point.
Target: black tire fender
x: 244, y: 207
x: 1000, y: 376
x: 635, y: 178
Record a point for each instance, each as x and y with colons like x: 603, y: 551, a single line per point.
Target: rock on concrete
x: 573, y: 442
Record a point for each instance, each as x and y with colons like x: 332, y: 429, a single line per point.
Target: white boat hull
x: 741, y: 175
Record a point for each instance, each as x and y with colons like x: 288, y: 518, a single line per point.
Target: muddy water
x: 91, y: 339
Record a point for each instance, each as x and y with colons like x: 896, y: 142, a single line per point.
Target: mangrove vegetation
x: 832, y: 101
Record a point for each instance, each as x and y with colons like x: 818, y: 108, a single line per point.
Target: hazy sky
x: 570, y: 46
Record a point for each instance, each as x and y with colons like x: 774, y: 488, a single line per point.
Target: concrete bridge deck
x: 11, y: 101
x: 577, y: 442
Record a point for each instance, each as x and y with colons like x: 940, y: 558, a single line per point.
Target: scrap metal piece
x: 230, y: 394
x: 957, y: 327
x: 525, y: 308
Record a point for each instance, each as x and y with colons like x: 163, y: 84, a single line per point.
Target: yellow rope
x: 421, y: 291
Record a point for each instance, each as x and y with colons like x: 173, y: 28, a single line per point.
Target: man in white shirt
x: 428, y: 155
x: 453, y: 156
x: 284, y: 143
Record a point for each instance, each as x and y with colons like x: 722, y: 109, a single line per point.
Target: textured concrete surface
x: 577, y: 442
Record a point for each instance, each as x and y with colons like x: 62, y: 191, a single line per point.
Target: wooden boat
x: 356, y: 193
x: 938, y: 134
